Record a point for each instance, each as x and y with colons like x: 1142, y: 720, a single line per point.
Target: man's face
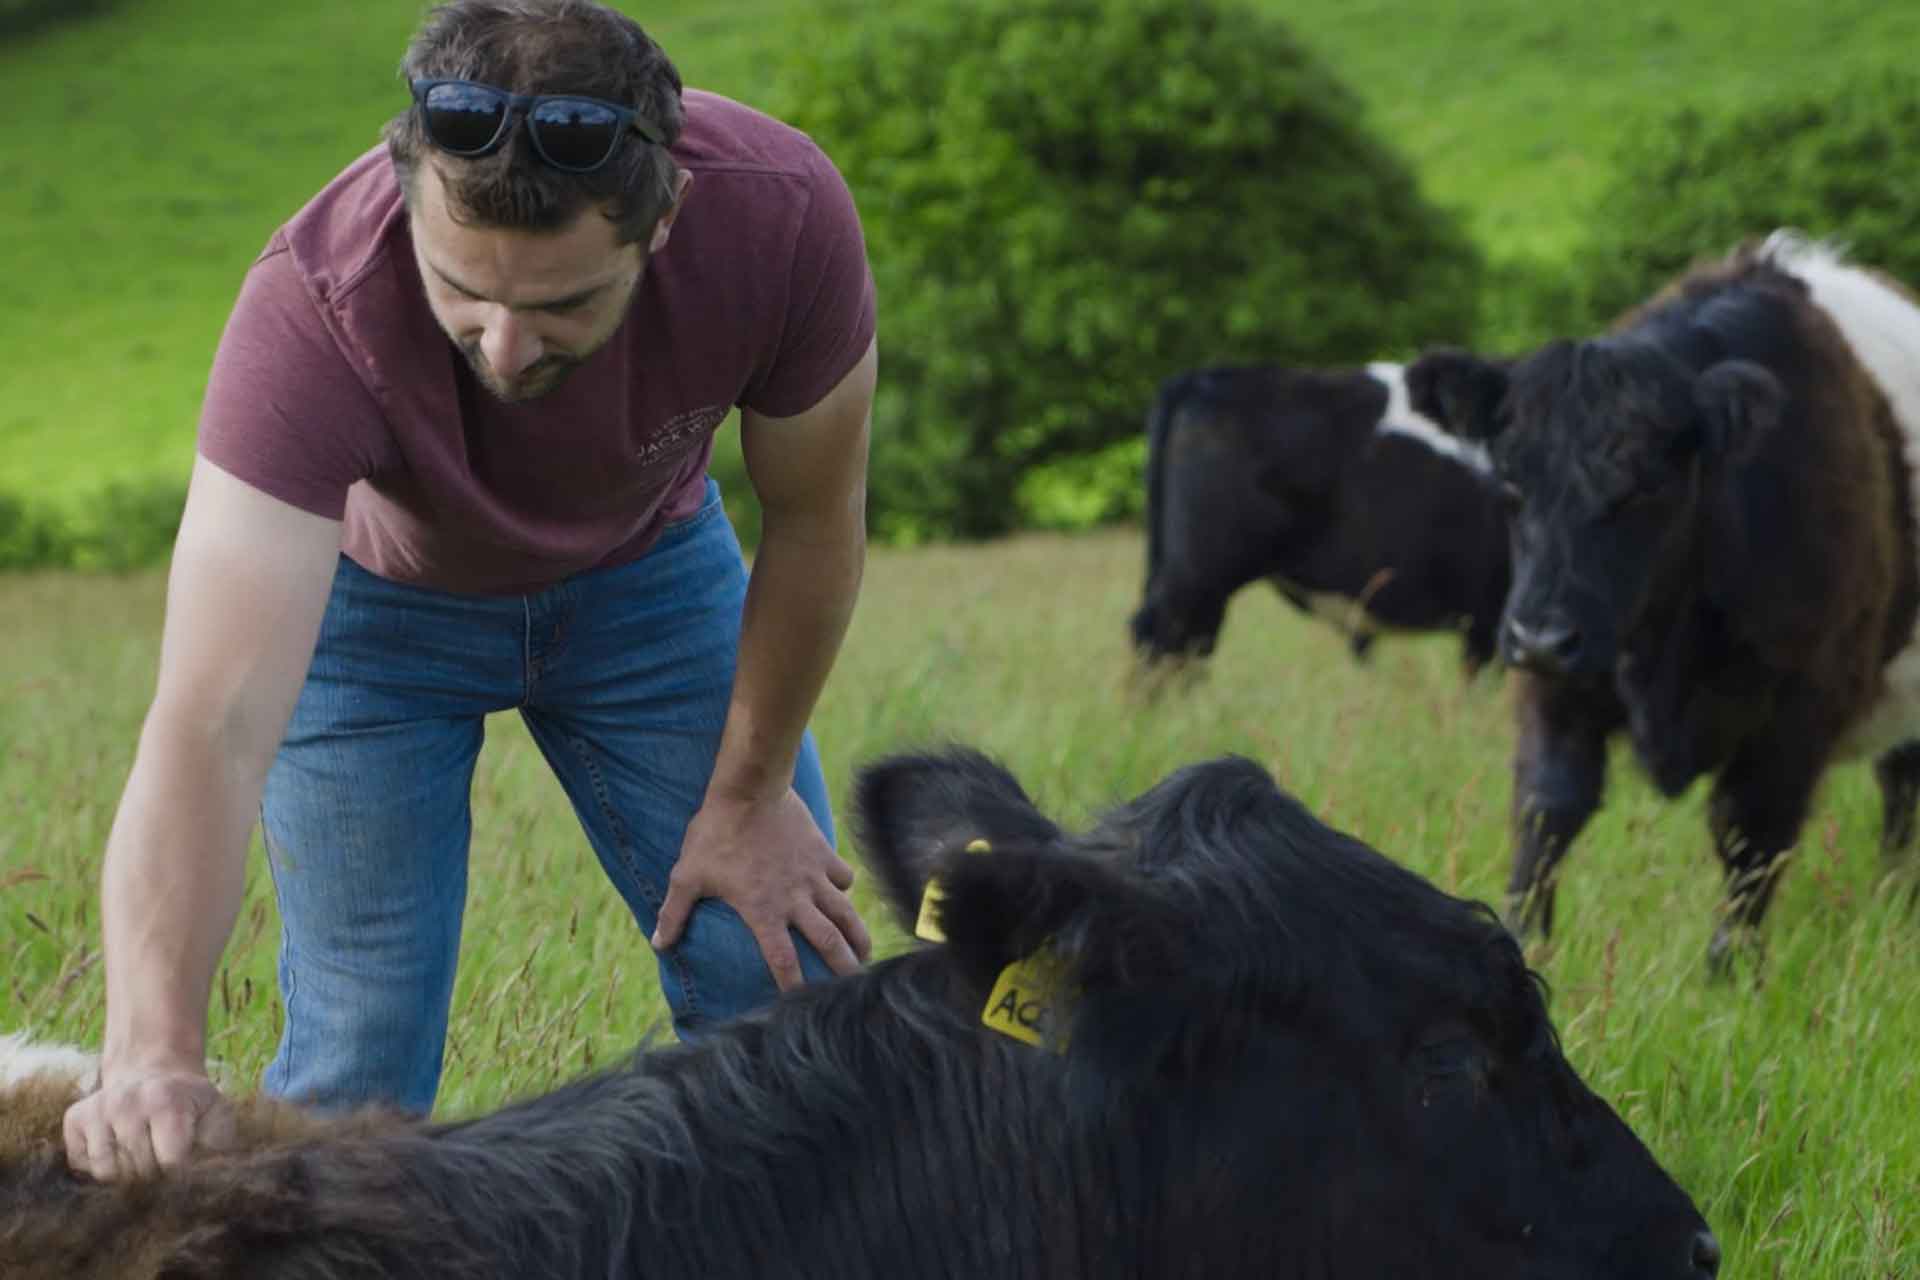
x: 525, y: 308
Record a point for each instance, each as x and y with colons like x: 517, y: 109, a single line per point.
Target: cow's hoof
x: 1731, y: 946
x: 1528, y: 917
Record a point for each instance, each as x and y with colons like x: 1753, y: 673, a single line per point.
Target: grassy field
x: 151, y: 151
x: 1786, y: 1107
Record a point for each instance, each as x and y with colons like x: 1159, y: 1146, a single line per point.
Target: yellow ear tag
x: 1031, y: 1000
x: 927, y: 927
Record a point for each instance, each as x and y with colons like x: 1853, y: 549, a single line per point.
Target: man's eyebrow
x: 545, y: 304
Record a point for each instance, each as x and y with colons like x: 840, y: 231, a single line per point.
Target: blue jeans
x: 623, y: 677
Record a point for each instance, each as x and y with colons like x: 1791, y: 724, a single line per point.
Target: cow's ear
x: 912, y: 810
x: 1458, y: 390
x: 1074, y: 956
x: 1101, y: 928
x: 1739, y: 403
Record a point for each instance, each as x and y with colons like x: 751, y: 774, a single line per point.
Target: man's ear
x: 1739, y: 402
x: 911, y: 811
x: 1458, y: 390
x: 663, y: 229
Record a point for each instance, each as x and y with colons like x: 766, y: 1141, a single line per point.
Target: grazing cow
x: 1251, y: 1047
x: 1713, y: 548
x: 1329, y: 486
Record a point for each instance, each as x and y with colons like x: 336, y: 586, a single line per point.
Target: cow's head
x: 1297, y: 1028
x: 1244, y: 475
x: 1608, y: 451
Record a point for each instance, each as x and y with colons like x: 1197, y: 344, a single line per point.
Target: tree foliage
x: 1068, y: 200
x: 1836, y: 164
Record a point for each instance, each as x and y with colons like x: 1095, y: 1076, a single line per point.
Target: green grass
x: 1786, y: 1108
x: 151, y: 150
x: 150, y: 153
x: 1512, y: 108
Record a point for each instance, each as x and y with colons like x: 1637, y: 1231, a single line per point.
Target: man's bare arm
x: 249, y: 583
x: 752, y: 843
x: 810, y: 474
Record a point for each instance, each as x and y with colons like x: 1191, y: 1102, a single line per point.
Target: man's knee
x: 717, y: 971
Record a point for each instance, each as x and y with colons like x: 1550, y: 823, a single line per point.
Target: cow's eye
x: 1632, y: 501
x: 1450, y: 1055
x: 1450, y: 1070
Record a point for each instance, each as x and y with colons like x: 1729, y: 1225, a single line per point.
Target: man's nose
x: 509, y: 344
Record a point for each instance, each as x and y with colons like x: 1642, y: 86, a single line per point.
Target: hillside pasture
x: 1783, y: 1101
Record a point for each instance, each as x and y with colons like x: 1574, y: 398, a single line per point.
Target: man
x: 452, y: 459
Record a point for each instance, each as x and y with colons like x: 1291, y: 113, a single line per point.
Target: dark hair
x: 546, y: 46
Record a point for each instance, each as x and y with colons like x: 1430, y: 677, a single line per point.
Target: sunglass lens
x: 464, y: 118
x: 574, y: 134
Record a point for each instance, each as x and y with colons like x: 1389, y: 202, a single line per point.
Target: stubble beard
x: 538, y: 379
x: 545, y: 375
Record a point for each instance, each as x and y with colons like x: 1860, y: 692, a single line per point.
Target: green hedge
x: 1838, y: 164
x: 19, y: 17
x: 123, y: 526
x: 1068, y: 200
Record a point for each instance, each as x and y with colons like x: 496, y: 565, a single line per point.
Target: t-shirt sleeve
x: 830, y: 315
x: 284, y: 411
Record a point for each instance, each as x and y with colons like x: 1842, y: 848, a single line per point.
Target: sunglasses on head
x: 569, y: 132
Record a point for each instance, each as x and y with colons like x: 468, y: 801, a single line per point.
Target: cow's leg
x: 1898, y: 772
x: 1760, y: 801
x: 1559, y: 775
x: 1479, y: 643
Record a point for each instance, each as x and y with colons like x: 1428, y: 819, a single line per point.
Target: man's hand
x: 768, y: 861
x: 145, y: 1119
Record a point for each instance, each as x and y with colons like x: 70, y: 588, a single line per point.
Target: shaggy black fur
x: 1288, y: 1057
x: 1713, y: 551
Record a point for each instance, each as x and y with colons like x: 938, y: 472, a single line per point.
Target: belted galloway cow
x: 1714, y: 553
x: 1209, y: 1037
x: 1328, y: 485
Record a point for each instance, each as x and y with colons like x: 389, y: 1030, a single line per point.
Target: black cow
x: 1261, y: 1049
x: 1713, y: 547
x: 1327, y: 485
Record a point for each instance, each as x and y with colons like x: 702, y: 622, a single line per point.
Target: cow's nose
x: 1706, y: 1255
x: 1553, y: 646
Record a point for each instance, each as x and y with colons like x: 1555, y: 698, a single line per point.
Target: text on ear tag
x: 927, y: 927
x: 1031, y: 1000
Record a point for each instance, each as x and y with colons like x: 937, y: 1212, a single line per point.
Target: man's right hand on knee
x: 144, y: 1118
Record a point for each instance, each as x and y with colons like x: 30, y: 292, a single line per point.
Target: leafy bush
x: 30, y: 537
x: 1527, y: 300
x: 18, y: 17
x: 126, y: 525
x: 1834, y: 163
x: 1067, y: 200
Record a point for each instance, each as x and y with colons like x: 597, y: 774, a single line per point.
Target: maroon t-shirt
x: 335, y: 390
